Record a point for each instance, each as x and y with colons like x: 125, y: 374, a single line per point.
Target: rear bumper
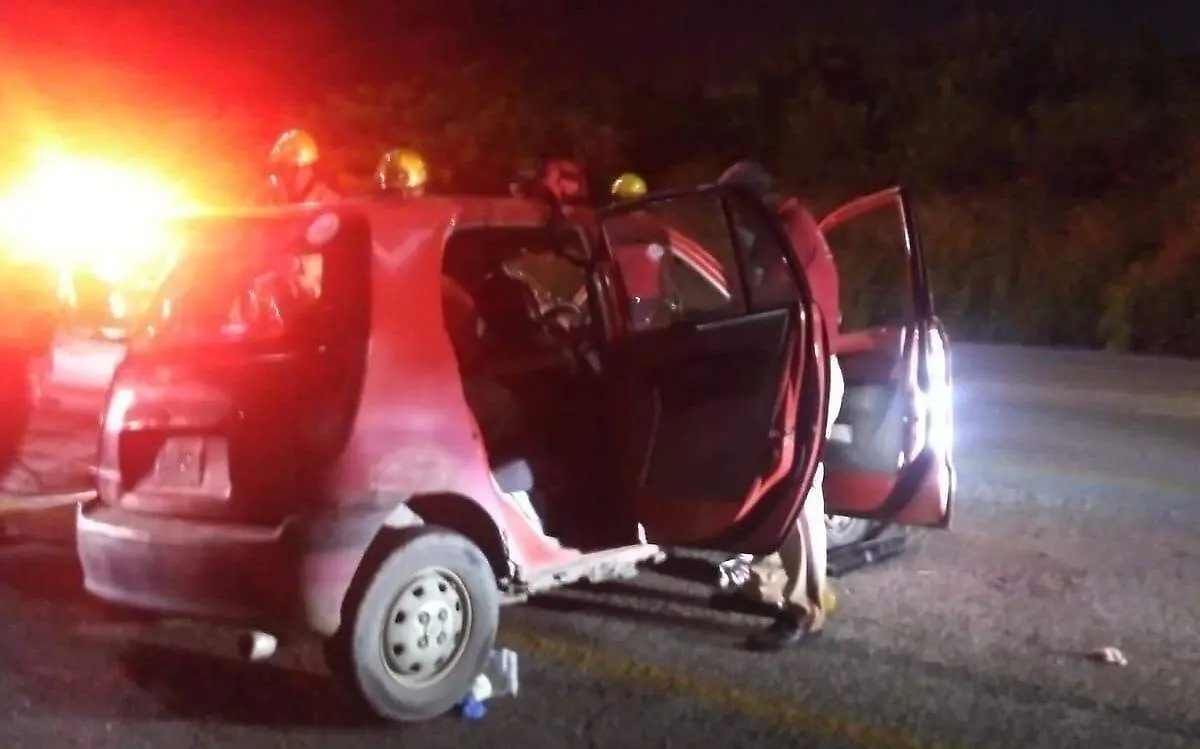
x: 276, y: 579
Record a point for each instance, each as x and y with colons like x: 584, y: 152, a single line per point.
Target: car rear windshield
x: 242, y: 279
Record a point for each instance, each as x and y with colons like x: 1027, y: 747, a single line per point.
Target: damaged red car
x: 377, y: 422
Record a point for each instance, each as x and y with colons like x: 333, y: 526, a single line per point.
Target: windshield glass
x: 530, y: 254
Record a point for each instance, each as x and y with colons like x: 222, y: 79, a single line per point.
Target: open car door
x: 888, y: 457
x: 716, y: 394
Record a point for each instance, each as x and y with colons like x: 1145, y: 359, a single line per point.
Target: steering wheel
x: 566, y: 323
x: 564, y: 315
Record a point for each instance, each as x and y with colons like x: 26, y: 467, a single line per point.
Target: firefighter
x: 628, y: 186
x: 402, y: 171
x: 803, y: 553
x: 566, y: 179
x: 293, y: 175
x: 563, y: 180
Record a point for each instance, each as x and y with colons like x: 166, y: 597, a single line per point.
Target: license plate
x: 180, y: 462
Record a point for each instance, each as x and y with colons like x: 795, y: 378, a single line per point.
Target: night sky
x: 274, y: 40
x: 252, y: 57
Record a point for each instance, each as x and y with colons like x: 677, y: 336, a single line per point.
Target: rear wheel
x: 423, y: 629
x: 845, y: 531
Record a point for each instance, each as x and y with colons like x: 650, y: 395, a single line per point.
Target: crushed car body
x: 376, y: 421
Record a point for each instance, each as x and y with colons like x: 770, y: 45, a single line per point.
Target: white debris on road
x: 1108, y: 655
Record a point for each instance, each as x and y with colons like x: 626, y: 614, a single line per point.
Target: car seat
x: 508, y: 309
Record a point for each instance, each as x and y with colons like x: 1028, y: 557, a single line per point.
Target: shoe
x: 786, y: 631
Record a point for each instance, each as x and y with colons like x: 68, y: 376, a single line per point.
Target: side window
x: 770, y: 281
x: 677, y: 261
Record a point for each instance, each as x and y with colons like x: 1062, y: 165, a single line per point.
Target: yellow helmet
x: 296, y: 148
x: 401, y: 168
x: 628, y: 186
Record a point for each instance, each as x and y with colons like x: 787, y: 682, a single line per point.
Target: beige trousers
x: 795, y: 575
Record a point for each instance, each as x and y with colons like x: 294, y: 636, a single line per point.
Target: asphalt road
x: 1078, y: 527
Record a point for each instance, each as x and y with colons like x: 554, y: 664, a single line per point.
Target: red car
x: 360, y: 422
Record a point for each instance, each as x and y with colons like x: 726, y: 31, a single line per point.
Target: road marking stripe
x: 784, y: 713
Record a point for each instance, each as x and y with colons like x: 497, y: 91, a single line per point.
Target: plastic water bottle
x: 472, y: 709
x: 498, y: 679
x: 502, y: 674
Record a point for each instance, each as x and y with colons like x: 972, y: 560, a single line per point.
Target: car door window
x: 675, y: 258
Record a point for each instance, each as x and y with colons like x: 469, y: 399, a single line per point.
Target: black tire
x: 843, y: 531
x: 422, y: 556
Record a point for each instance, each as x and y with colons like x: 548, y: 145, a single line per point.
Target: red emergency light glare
x: 120, y: 217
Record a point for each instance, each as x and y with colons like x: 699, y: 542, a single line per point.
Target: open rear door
x: 713, y: 396
x: 888, y: 457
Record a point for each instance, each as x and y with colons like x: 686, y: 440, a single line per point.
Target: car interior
x: 523, y: 351
x: 869, y: 438
x: 869, y: 435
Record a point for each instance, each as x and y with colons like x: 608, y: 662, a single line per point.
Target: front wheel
x: 423, y: 629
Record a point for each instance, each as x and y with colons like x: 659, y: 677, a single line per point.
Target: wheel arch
x: 464, y: 515
x: 450, y: 511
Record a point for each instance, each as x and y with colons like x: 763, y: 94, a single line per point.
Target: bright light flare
x: 88, y: 215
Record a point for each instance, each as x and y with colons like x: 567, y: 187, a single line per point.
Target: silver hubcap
x: 427, y: 627
x: 839, y: 526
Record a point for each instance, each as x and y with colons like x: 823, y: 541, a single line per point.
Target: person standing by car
x: 803, y: 552
x: 293, y: 173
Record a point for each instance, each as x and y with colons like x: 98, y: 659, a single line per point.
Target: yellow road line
x: 780, y: 712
